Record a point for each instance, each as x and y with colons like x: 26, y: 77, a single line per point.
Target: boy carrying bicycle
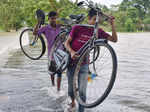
x: 51, y: 31
x: 78, y: 37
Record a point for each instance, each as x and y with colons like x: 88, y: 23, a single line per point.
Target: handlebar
x: 91, y: 5
x: 40, y: 16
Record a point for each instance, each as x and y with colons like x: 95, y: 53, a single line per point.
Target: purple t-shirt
x: 81, y: 34
x: 50, y: 34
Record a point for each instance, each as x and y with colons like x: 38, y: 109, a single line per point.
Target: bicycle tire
x: 58, y: 42
x: 111, y: 82
x: 41, y: 40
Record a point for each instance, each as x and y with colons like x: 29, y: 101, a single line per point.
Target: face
x: 92, y: 20
x: 52, y: 20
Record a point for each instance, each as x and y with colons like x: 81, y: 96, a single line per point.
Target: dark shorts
x: 52, y: 69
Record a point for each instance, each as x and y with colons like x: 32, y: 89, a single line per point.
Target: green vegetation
x: 11, y: 15
x: 131, y: 15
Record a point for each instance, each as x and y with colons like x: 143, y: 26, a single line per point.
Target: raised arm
x: 35, y: 30
x: 114, y: 37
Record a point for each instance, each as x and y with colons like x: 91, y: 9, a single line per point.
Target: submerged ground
x: 23, y: 82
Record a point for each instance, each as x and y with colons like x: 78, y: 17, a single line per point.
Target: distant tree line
x: 131, y: 15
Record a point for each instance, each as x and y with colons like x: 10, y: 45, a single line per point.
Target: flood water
x: 24, y: 83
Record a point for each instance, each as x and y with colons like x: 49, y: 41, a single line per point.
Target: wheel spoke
x: 33, y: 50
x: 102, y: 77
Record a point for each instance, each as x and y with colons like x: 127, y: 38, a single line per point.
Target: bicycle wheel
x: 33, y: 50
x: 58, y: 53
x: 103, y: 73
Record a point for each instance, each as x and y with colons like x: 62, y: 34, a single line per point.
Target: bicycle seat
x: 40, y: 16
x: 66, y: 21
x: 77, y: 17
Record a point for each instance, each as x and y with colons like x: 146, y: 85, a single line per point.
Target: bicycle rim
x: 33, y: 50
x: 101, y: 80
x: 57, y: 51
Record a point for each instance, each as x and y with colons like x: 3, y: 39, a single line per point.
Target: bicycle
x: 33, y: 46
x: 100, y: 52
x: 98, y: 45
x: 58, y: 52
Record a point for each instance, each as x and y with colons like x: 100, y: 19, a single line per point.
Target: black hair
x: 52, y: 14
x: 92, y: 12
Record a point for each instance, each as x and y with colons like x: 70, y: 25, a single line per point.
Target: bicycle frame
x: 94, y: 38
x: 35, y: 37
x: 91, y: 42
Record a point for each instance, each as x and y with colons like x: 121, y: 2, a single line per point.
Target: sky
x: 106, y: 2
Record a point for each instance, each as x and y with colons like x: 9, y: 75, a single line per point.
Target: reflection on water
x: 21, y: 80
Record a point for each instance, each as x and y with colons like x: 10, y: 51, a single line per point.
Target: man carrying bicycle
x: 78, y: 37
x: 51, y: 31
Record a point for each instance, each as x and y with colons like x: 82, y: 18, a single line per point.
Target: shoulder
x: 77, y: 27
x: 58, y: 25
x: 48, y: 27
x: 103, y: 34
x: 44, y: 27
x: 101, y: 30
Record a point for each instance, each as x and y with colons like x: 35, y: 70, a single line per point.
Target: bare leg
x: 53, y: 80
x: 73, y: 102
x: 72, y: 105
x: 58, y: 83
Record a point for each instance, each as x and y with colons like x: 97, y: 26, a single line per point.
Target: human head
x: 92, y: 16
x: 52, y: 16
